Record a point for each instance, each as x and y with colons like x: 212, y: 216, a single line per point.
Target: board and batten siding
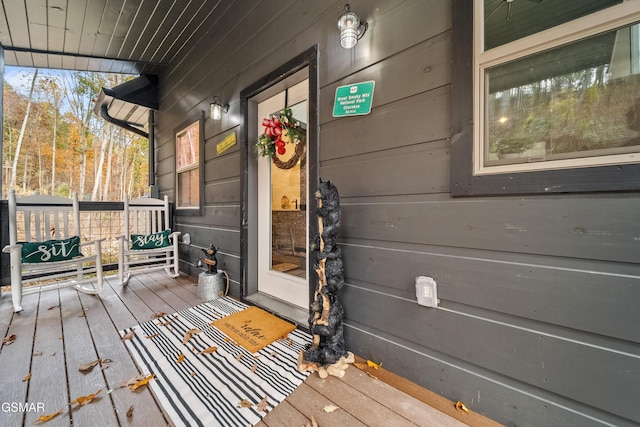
x: 537, y: 322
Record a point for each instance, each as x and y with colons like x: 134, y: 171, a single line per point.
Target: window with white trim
x: 189, y: 141
x: 556, y: 85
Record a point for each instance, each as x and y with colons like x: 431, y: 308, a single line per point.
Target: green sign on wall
x: 353, y: 100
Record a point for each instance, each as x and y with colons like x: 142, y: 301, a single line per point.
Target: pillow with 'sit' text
x: 51, y: 250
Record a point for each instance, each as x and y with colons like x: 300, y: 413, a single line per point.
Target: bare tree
x: 14, y: 168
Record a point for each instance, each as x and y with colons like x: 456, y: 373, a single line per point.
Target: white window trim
x: 608, y: 19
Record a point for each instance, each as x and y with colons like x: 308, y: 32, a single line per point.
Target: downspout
x: 104, y: 112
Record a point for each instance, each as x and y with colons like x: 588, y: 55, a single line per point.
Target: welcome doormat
x: 203, y: 378
x: 254, y: 328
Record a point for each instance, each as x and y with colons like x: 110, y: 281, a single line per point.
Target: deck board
x: 15, y: 361
x: 70, y: 329
x: 48, y: 386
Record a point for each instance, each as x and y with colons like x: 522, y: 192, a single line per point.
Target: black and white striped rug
x: 224, y: 387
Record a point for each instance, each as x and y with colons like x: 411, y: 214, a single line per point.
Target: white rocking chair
x: 43, y: 228
x: 146, y: 220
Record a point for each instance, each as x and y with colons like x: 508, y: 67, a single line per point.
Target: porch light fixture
x: 217, y: 108
x: 351, y: 29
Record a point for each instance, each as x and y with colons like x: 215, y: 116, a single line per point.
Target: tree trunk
x: 107, y: 180
x: 12, y: 182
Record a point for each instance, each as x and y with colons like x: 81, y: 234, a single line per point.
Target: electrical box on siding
x: 427, y: 291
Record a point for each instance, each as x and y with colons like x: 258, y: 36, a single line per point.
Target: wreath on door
x: 280, y: 131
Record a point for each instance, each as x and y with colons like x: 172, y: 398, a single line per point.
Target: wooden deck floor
x: 59, y: 331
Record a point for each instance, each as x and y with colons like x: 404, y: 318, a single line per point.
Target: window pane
x: 578, y: 100
x: 506, y: 21
x: 188, y: 146
x: 188, y: 189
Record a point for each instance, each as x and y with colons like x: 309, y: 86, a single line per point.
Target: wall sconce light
x: 217, y: 108
x: 351, y: 29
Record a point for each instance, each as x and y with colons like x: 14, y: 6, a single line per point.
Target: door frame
x: 277, y: 80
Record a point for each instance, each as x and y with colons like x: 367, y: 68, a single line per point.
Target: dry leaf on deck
x: 239, y: 356
x: 460, y: 406
x: 141, y: 383
x: 158, y: 314
x: 130, y: 412
x: 37, y: 353
x: 53, y: 306
x: 263, y: 405
x: 254, y: 368
x: 151, y: 336
x: 89, y: 366
x: 180, y: 358
x: 84, y: 400
x: 314, y: 423
x: 330, y: 408
x: 244, y: 403
x: 374, y: 365
x: 8, y: 340
x: 27, y: 377
x: 208, y: 350
x: 360, y: 365
x: 189, y: 334
x: 132, y: 381
x: 167, y: 323
x: 45, y: 418
x: 128, y: 336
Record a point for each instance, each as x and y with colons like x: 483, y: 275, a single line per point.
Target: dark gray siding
x: 537, y: 323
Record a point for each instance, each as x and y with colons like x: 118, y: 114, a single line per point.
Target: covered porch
x: 59, y: 331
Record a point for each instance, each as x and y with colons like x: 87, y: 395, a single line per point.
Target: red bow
x: 272, y: 127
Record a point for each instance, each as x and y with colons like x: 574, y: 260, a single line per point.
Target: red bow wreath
x: 275, y: 128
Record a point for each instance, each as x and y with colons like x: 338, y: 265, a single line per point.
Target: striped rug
x: 220, y: 388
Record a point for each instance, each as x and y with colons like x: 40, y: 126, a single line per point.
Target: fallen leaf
x: 208, y: 350
x: 167, y: 323
x: 84, y: 313
x: 141, y: 383
x: 244, y: 403
x: 371, y: 375
x: 254, y: 368
x: 193, y: 374
x: 460, y: 406
x: 37, y: 353
x: 89, y: 366
x: 263, y: 405
x: 158, y: 314
x: 129, y: 335
x: 239, y: 356
x: 273, y: 354
x: 314, y: 423
x: 330, y: 408
x: 151, y: 336
x: 189, y: 334
x: 45, y: 418
x: 373, y: 364
x: 53, y: 306
x: 132, y: 381
x: 8, y: 340
x: 27, y: 378
x: 130, y: 412
x: 360, y: 365
x: 85, y: 400
x: 180, y: 358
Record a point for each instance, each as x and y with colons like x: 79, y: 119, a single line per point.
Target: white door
x: 283, y: 217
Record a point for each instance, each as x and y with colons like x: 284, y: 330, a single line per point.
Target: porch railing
x: 97, y: 220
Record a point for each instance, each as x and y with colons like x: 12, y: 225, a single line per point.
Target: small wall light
x: 351, y: 29
x: 217, y: 108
